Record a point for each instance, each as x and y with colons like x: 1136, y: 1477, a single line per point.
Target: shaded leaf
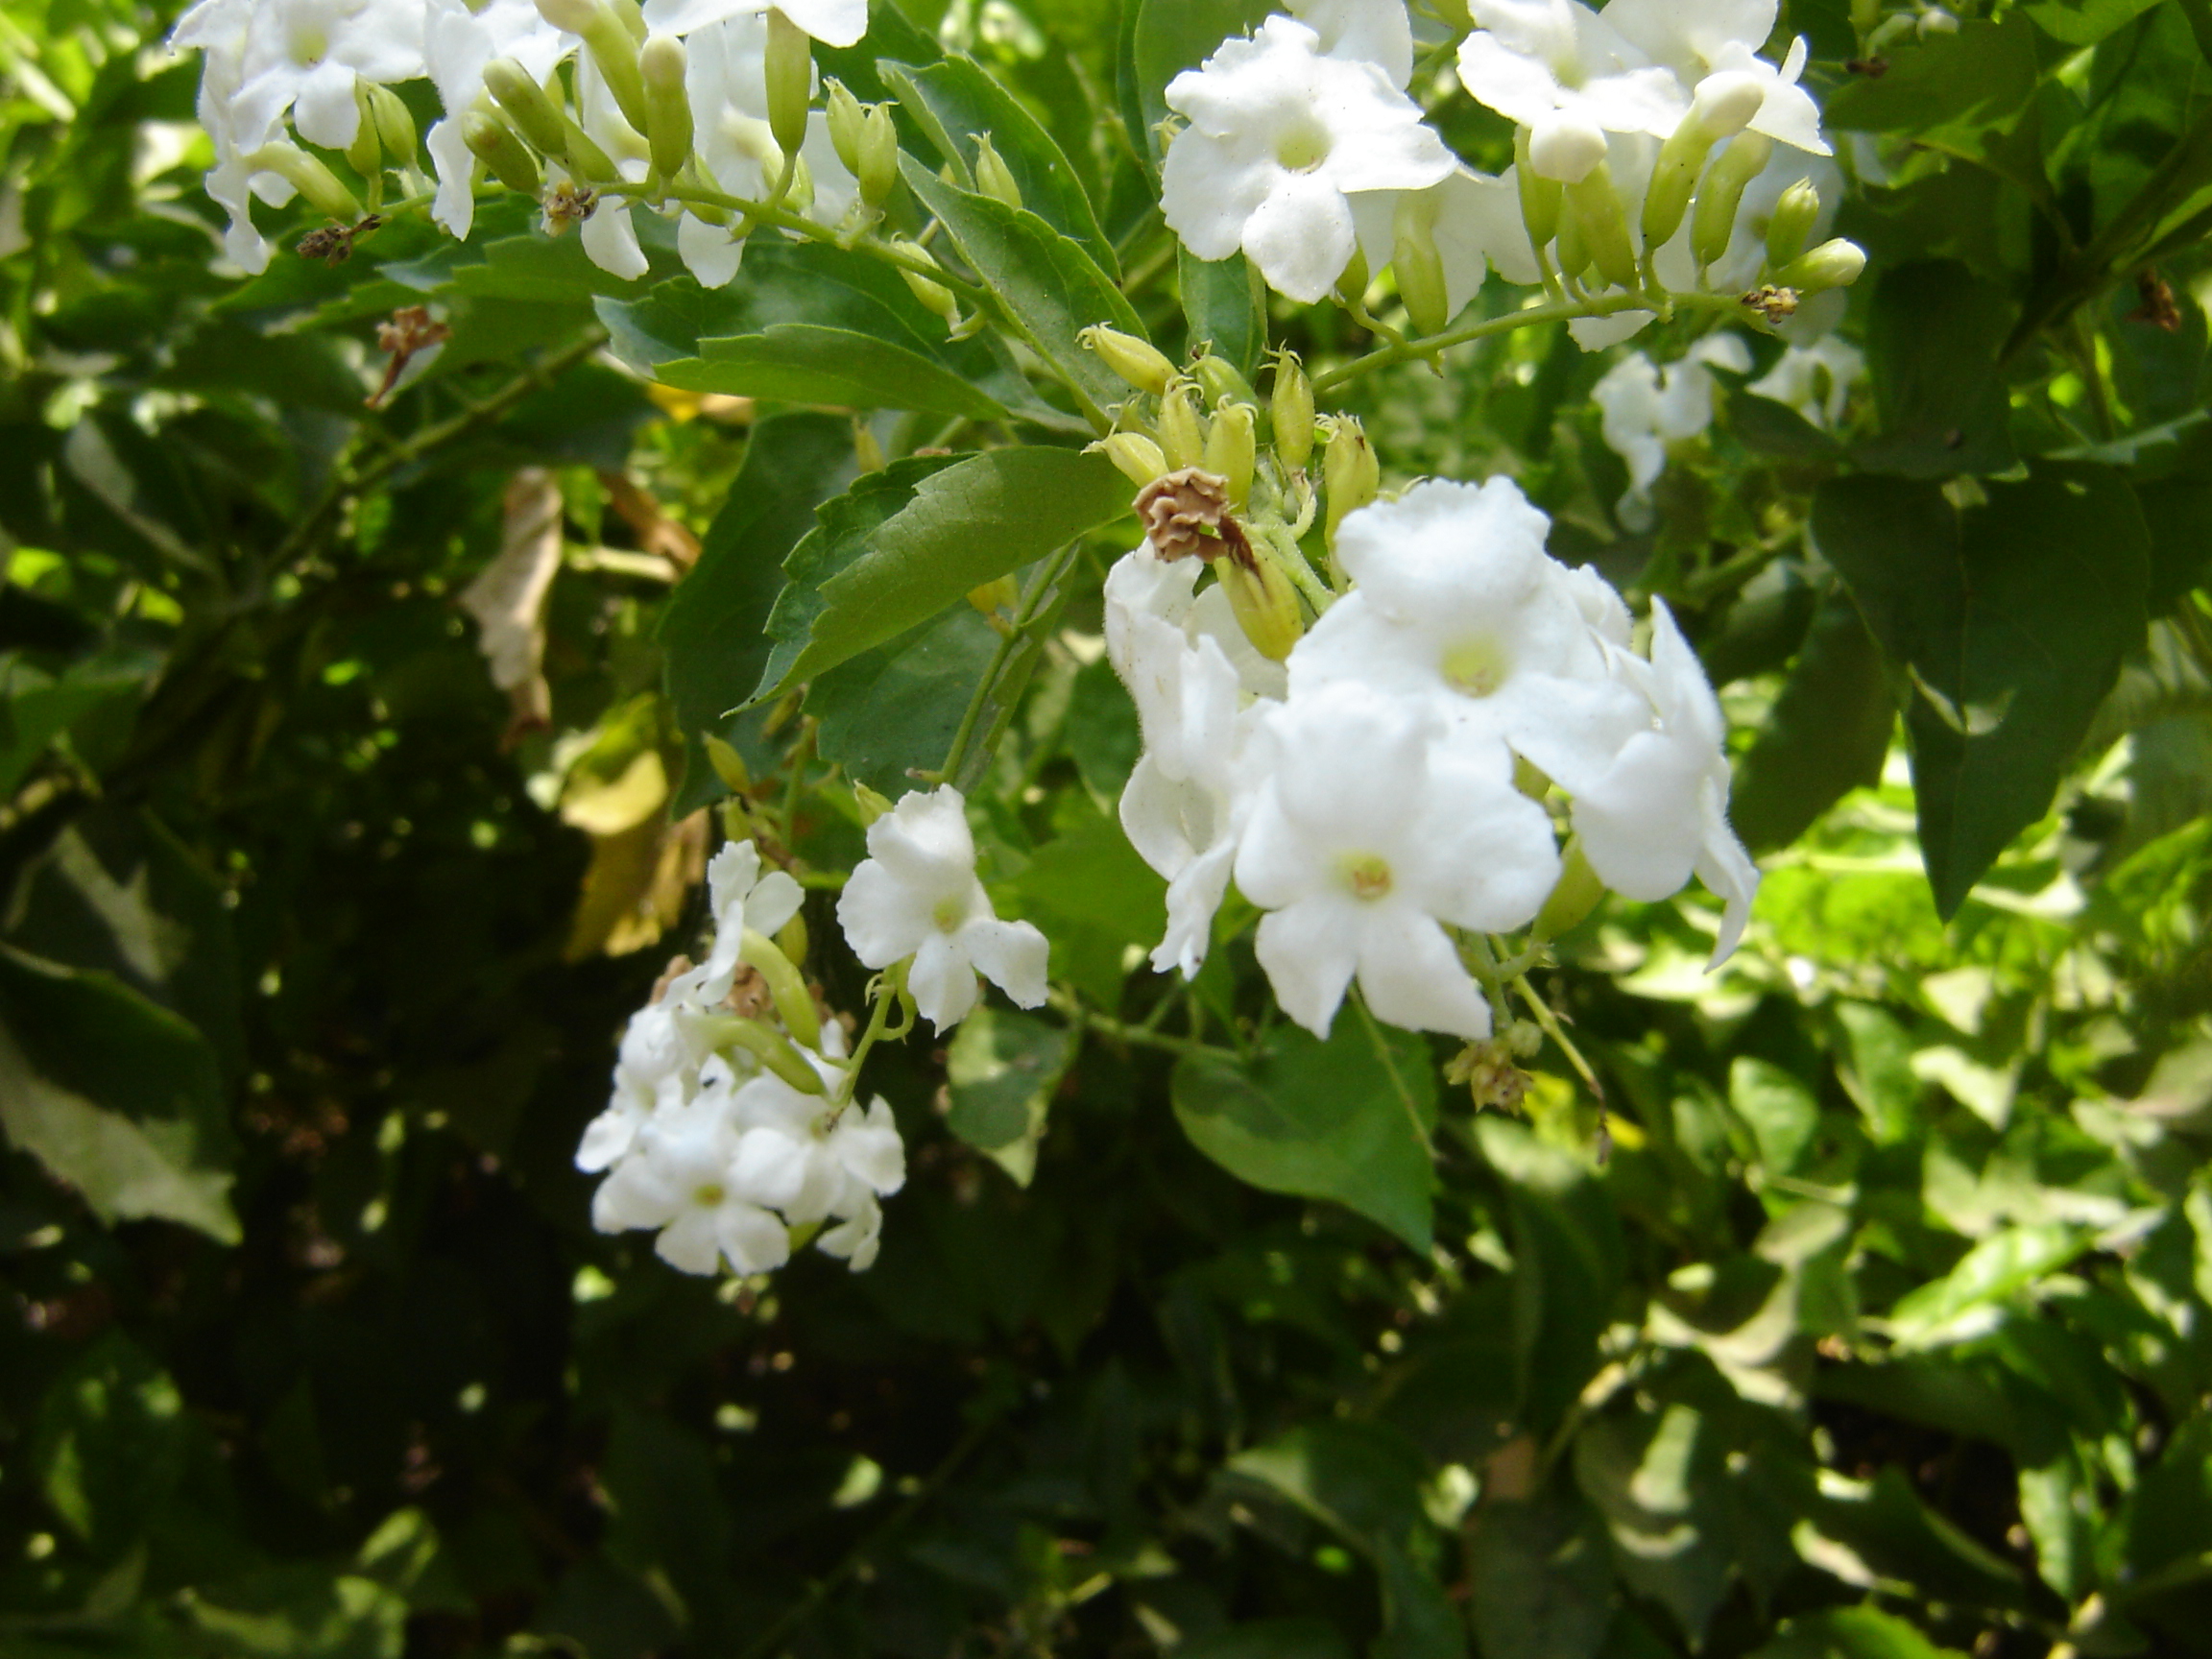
x: 1934, y: 333
x: 1827, y: 732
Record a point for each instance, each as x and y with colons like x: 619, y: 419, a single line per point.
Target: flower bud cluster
x: 732, y: 1133
x: 1653, y: 147
x: 603, y: 108
x: 1394, y: 785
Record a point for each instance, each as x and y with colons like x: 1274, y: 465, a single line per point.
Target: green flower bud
x: 1604, y: 225
x: 1221, y: 382
x: 1350, y: 472
x: 308, y: 176
x: 668, y: 106
x: 1290, y: 411
x: 1137, y: 457
x: 1574, y: 250
x: 1182, y: 438
x: 1233, y: 450
x: 1713, y: 222
x: 395, y: 126
x: 935, y: 294
x: 1674, y: 181
x: 879, y: 169
x: 1540, y: 197
x: 1139, y: 362
x: 773, y: 1049
x: 611, y: 34
x: 1790, y: 225
x: 993, y: 177
x: 790, y: 70
x: 1573, y: 898
x: 791, y: 938
x: 587, y: 164
x: 1420, y: 267
x: 785, y: 984
x: 871, y: 805
x: 1834, y: 264
x: 728, y: 766
x: 1264, y: 603
x: 846, y: 117
x: 529, y: 109
x: 1351, y: 285
x: 366, y: 154
x: 507, y: 157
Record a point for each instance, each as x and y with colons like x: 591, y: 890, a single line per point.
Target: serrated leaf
x: 1321, y: 1120
x: 966, y: 523
x: 1051, y: 288
x: 2029, y: 604
x: 1826, y: 734
x: 954, y: 101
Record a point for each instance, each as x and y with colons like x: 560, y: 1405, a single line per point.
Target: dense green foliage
x: 1884, y: 1327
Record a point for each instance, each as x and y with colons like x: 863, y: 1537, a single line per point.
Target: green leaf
x: 1778, y: 1110
x: 1337, y: 1119
x: 1361, y: 1479
x: 955, y: 100
x: 1827, y: 732
x: 2004, y: 626
x: 1646, y: 1474
x: 1933, y: 334
x: 2084, y: 22
x: 1047, y: 283
x: 1850, y: 1633
x: 1172, y: 35
x: 1539, y: 1586
x: 714, y: 631
x: 967, y: 522
x: 1094, y: 897
x: 1968, y: 92
x: 1002, y: 1070
x: 801, y: 363
x: 37, y: 707
x: 117, y: 1096
x: 1964, y: 1301
x: 1269, y: 1638
x: 1222, y: 301
x: 895, y: 709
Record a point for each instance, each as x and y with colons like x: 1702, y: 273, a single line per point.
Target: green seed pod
x: 935, y: 294
x: 528, y: 108
x: 1713, y: 222
x: 1264, y: 603
x: 1233, y: 450
x: 1540, y: 197
x: 785, y: 984
x: 1790, y: 225
x: 1182, y: 437
x: 1420, y: 267
x: 1290, y: 411
x: 1834, y: 264
x: 1350, y: 472
x: 728, y: 766
x: 507, y: 157
x: 790, y: 63
x: 395, y: 126
x: 879, y: 169
x: 1139, y: 459
x: 366, y: 154
x: 668, y: 106
x: 1218, y: 378
x: 1139, y: 362
x: 1604, y: 225
x: 993, y: 177
x: 846, y: 118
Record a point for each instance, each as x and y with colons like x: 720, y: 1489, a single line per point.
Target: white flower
x: 1458, y: 605
x: 741, y: 898
x: 1280, y: 137
x: 458, y: 44
x: 305, y: 56
x: 791, y: 1157
x: 678, y: 1180
x: 833, y: 22
x: 1701, y: 39
x: 1661, y: 812
x: 1645, y: 408
x: 1366, y: 837
x: 1564, y: 73
x: 1816, y: 380
x: 1376, y: 32
x: 610, y: 233
x: 917, y: 895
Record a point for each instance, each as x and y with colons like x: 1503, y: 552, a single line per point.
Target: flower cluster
x: 587, y: 105
x: 1655, y: 149
x: 1375, y: 763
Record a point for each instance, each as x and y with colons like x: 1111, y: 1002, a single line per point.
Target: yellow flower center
x: 1304, y: 147
x: 709, y: 1196
x: 950, y: 914
x: 1477, y: 667
x: 1367, y: 875
x: 309, y: 44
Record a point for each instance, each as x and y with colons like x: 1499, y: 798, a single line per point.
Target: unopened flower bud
x: 1290, y: 411
x: 1182, y: 438
x: 1221, y: 382
x: 1935, y: 21
x: 668, y: 106
x: 1834, y: 264
x: 366, y: 154
x: 1713, y: 223
x: 1350, y: 472
x: 587, y: 162
x: 1136, y: 455
x: 1139, y: 362
x: 867, y: 451
x: 1566, y: 149
x: 1540, y: 197
x: 1573, y: 249
x: 307, y: 174
x: 879, y: 169
x: 608, y: 35
x: 507, y: 158
x: 993, y: 177
x: 792, y: 939
x: 1604, y: 226
x: 1727, y: 103
x: 1352, y: 285
x: 789, y: 66
x: 728, y: 766
x: 935, y: 294
x: 846, y: 116
x: 1574, y: 896
x: 1674, y: 181
x: 774, y: 1051
x: 1791, y: 225
x: 871, y: 805
x: 1231, y: 449
x: 529, y: 110
x: 394, y: 125
x: 1264, y: 603
x: 1420, y: 267
x: 785, y: 984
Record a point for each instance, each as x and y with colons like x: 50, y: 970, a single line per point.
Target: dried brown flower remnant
x: 1776, y: 304
x: 1186, y: 515
x: 333, y: 244
x: 408, y: 331
x: 2158, y: 307
x: 567, y: 204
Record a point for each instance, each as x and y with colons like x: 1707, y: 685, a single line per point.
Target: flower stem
x: 1135, y: 1036
x: 957, y: 761
x: 887, y: 993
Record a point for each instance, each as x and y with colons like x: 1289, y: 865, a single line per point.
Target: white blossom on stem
x: 1376, y: 32
x: 305, y: 56
x: 1645, y: 408
x: 1701, y: 39
x: 1816, y: 380
x: 1563, y: 72
x: 741, y: 898
x: 833, y: 22
x: 459, y: 42
x: 1281, y: 139
x: 678, y: 1180
x: 917, y: 895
